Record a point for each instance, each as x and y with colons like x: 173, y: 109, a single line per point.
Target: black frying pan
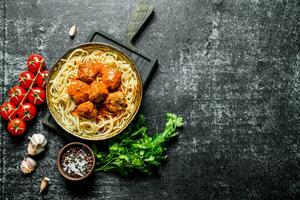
x: 138, y: 19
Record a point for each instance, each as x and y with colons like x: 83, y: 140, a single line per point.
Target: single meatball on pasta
x: 87, y: 110
x: 78, y: 91
x: 115, y: 102
x: 87, y: 72
x: 111, y: 78
x: 97, y: 92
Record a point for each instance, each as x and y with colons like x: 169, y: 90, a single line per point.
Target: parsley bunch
x: 136, y: 150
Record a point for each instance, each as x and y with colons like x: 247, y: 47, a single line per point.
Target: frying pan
x: 138, y: 19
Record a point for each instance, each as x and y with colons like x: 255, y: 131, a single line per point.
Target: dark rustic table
x: 230, y: 68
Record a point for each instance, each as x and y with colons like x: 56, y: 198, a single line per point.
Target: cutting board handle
x: 137, y: 22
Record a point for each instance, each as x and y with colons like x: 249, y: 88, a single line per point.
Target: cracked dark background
x: 230, y: 68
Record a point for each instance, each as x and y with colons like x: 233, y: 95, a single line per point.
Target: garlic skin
x: 44, y: 184
x: 27, y: 165
x: 73, y: 31
x: 37, y: 144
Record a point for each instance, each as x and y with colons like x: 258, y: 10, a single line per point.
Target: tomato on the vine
x: 16, y: 127
x: 35, y: 62
x: 26, y: 78
x: 8, y: 111
x: 17, y: 110
x: 16, y: 95
x: 42, y: 78
x: 36, y: 96
x: 26, y: 111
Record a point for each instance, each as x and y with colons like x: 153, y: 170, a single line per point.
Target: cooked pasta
x: 63, y: 104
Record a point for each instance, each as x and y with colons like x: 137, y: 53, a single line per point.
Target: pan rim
x: 70, y: 50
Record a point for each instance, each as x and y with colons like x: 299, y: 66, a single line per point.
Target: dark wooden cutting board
x: 145, y: 63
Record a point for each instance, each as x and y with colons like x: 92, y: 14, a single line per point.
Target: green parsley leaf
x: 135, y: 149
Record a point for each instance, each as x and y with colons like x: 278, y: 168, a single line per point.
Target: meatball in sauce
x: 115, y: 102
x: 97, y: 92
x: 87, y: 110
x: 78, y: 91
x: 111, y: 78
x: 87, y: 72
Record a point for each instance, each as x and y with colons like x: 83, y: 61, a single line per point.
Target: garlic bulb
x: 37, y: 144
x: 27, y: 165
x: 44, y: 184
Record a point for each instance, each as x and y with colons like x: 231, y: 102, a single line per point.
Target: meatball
x: 78, y: 91
x: 87, y: 110
x: 87, y: 72
x: 111, y: 78
x: 97, y: 92
x: 115, y: 102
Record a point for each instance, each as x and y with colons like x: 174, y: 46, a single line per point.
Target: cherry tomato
x: 16, y: 95
x: 26, y: 111
x: 16, y: 127
x: 35, y: 62
x: 8, y: 111
x: 36, y: 96
x: 26, y: 79
x: 42, y: 78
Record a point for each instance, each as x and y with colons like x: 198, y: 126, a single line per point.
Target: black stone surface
x: 230, y: 68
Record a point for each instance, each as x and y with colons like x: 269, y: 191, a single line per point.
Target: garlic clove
x: 44, y: 184
x: 27, y: 165
x: 41, y: 139
x: 38, y: 139
x: 44, y: 143
x: 73, y: 31
x: 30, y: 163
x: 37, y: 144
x: 30, y: 150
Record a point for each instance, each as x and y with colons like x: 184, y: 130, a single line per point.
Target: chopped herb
x: 136, y: 150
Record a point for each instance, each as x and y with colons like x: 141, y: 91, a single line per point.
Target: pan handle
x: 137, y: 22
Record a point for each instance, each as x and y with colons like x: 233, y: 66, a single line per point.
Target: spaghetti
x: 64, y: 105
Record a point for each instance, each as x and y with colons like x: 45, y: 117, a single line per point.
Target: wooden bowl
x: 65, y: 148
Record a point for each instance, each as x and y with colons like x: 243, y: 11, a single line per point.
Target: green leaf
x: 114, y: 147
x: 124, y: 157
x: 135, y: 149
x: 137, y: 162
x: 142, y: 153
